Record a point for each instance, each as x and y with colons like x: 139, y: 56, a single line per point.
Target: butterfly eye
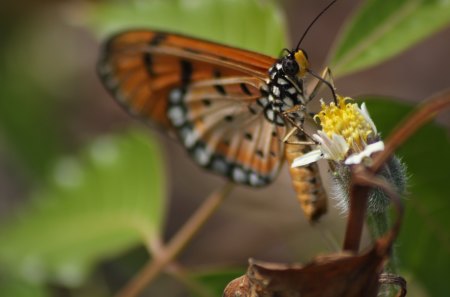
x: 290, y: 66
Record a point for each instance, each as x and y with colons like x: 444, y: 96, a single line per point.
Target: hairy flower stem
x: 168, y: 253
x: 378, y: 225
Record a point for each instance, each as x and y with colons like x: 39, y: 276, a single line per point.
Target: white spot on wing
x: 282, y: 81
x: 239, y: 175
x: 176, y: 115
x: 202, y: 155
x: 288, y: 101
x: 184, y: 132
x: 278, y: 66
x: 276, y: 91
x: 175, y: 96
x: 270, y: 114
x: 190, y: 139
x: 255, y: 180
x: 264, y: 101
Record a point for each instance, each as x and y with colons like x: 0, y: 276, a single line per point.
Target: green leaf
x: 252, y: 24
x: 210, y: 283
x: 381, y: 29
x: 18, y: 288
x: 27, y: 109
x: 96, y: 206
x: 423, y: 247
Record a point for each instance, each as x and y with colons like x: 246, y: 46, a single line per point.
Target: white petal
x: 318, y: 137
x: 325, y: 144
x: 335, y: 148
x: 366, y: 115
x: 367, y: 152
x: 308, y: 158
x: 341, y: 147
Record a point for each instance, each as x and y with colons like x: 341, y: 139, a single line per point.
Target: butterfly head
x: 295, y: 63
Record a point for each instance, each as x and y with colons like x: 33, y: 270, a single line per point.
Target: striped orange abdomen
x: 307, y: 182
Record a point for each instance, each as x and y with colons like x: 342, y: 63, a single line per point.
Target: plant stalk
x: 168, y: 253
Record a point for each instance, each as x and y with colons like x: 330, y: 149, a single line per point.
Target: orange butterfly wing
x: 204, y: 92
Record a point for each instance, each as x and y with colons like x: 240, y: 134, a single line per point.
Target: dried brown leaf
x: 337, y: 275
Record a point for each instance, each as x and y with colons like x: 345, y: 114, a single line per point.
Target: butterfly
x: 229, y: 107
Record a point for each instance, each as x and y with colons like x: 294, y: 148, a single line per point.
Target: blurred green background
x: 84, y: 188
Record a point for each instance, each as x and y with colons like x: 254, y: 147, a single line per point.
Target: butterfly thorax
x: 284, y: 88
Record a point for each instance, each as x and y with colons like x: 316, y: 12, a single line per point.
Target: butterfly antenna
x: 312, y: 23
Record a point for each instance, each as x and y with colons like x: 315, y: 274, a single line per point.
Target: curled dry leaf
x: 337, y: 275
x: 342, y: 274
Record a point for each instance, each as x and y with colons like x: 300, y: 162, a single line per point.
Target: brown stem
x: 356, y: 215
x: 176, y: 245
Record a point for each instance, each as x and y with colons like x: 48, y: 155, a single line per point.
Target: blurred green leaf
x: 18, y: 288
x: 423, y: 246
x: 27, y: 110
x: 212, y: 282
x: 96, y: 206
x: 30, y: 132
x: 252, y: 24
x: 381, y: 29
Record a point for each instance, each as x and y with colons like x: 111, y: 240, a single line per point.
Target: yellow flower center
x: 345, y: 119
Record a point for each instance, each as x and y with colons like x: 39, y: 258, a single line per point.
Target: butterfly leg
x: 325, y: 78
x: 291, y: 132
x: 297, y: 126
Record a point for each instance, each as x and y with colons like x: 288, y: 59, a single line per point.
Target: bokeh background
x: 52, y: 105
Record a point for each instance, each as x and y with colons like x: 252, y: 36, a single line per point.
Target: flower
x: 348, y: 134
